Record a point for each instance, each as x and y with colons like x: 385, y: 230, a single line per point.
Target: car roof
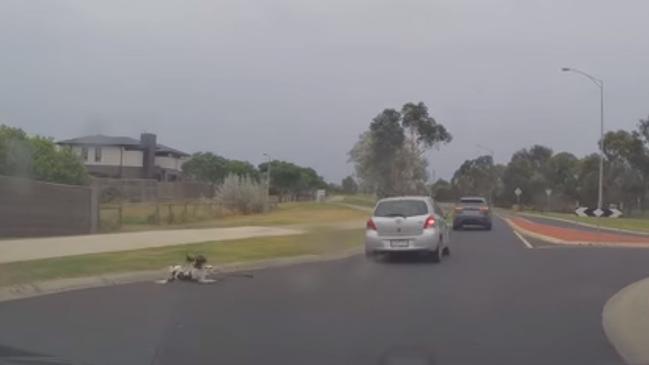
x: 473, y: 197
x: 413, y: 197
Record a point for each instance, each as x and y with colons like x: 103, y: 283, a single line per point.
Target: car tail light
x: 370, y: 225
x: 458, y: 209
x: 430, y: 222
x: 484, y: 209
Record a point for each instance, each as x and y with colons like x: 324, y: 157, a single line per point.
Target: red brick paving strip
x: 578, y: 236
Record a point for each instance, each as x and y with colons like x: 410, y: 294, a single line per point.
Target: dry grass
x: 309, y: 213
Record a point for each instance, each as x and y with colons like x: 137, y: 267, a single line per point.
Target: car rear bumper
x: 471, y: 220
x: 427, y: 241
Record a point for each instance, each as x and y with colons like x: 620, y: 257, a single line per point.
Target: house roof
x: 163, y: 148
x: 101, y: 140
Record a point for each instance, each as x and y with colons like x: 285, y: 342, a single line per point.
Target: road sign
x: 594, y: 212
x: 518, y: 191
x: 548, y: 192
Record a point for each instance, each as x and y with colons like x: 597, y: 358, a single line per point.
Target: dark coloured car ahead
x: 472, y: 211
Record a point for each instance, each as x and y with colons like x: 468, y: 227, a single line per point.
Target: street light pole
x: 268, y: 182
x: 600, y: 84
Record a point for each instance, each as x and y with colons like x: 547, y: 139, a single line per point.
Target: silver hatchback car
x: 407, y: 224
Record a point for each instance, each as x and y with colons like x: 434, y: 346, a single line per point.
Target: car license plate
x: 399, y: 243
x: 472, y: 212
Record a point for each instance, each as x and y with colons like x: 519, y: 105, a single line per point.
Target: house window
x: 84, y: 153
x: 97, y: 154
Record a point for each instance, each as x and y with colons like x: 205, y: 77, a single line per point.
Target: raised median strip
x: 568, y: 236
x: 625, y: 319
x: 588, y: 225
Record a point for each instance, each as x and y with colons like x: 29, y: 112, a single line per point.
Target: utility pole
x: 268, y: 181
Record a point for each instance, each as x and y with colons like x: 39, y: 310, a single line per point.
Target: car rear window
x: 401, y: 208
x: 472, y: 201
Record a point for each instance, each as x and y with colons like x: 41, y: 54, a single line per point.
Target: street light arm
x: 595, y: 80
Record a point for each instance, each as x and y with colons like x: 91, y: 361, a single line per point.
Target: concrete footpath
x: 40, y: 248
x: 626, y: 322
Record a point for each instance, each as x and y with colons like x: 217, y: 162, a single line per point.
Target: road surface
x: 493, y: 301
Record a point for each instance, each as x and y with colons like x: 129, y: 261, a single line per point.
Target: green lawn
x: 634, y: 224
x: 317, y: 241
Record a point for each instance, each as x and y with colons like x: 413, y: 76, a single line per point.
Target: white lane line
x: 526, y: 242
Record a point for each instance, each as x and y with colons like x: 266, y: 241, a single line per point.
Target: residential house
x: 125, y: 157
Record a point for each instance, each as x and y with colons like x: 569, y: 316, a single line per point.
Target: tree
x: 390, y: 163
x: 349, y: 185
x: 442, y: 190
x: 588, y: 180
x: 242, y: 168
x: 38, y: 158
x: 56, y: 164
x: 15, y: 152
x: 477, y: 177
x: 206, y: 167
x: 627, y: 166
x: 212, y: 168
x: 424, y: 130
x: 292, y: 180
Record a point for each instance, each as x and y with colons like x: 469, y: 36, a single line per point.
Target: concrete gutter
x: 626, y: 322
x: 29, y: 290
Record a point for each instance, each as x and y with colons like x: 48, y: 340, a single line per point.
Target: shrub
x: 242, y: 194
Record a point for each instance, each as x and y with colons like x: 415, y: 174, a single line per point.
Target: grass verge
x: 320, y: 240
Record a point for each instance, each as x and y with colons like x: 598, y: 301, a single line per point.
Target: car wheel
x: 488, y: 227
x: 446, y: 251
x: 436, y: 256
x: 457, y: 228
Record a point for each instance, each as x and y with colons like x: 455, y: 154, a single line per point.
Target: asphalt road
x: 493, y: 301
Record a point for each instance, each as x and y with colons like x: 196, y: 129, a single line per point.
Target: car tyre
x: 457, y: 227
x: 436, y: 256
x: 488, y: 227
x: 446, y: 251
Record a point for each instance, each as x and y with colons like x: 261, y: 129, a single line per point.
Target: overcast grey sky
x: 302, y: 79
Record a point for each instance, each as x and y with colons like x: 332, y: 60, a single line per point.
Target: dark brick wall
x: 32, y: 208
x: 143, y: 190
x: 130, y: 172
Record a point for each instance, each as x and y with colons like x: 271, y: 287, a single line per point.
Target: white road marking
x: 526, y: 242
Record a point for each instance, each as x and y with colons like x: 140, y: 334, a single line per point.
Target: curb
x: 29, y: 290
x: 625, y: 319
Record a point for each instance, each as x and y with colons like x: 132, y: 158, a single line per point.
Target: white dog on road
x: 195, y: 269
